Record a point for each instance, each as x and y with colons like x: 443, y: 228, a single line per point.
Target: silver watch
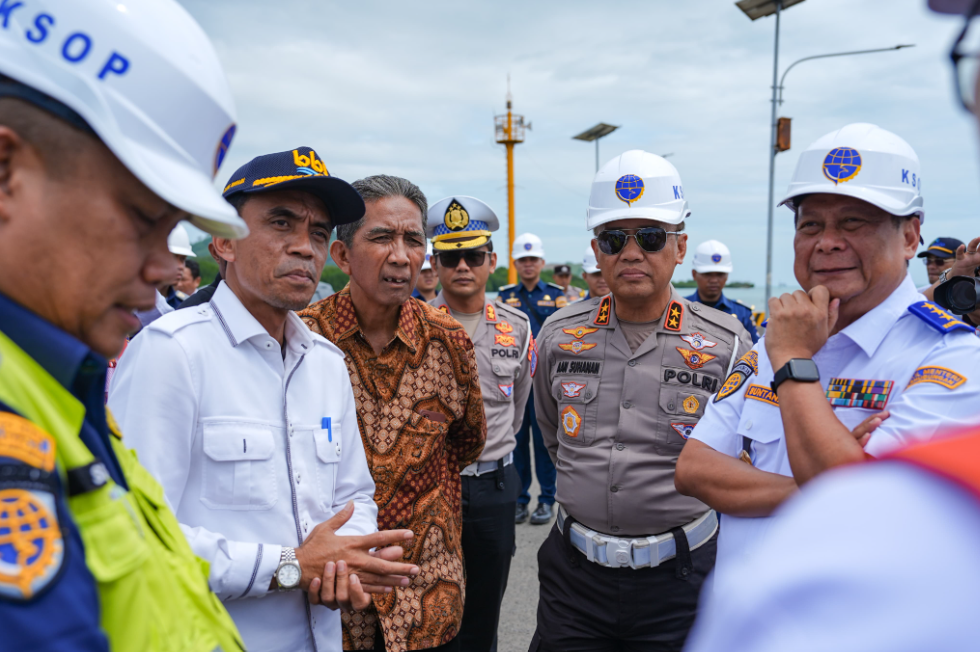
x: 945, y: 275
x: 288, y: 573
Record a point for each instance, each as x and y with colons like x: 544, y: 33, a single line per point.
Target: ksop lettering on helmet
x: 678, y: 192
x: 905, y: 178
x: 75, y: 48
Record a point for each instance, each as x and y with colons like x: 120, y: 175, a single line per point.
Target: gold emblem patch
x: 579, y: 332
x: 691, y: 405
x: 456, y: 217
x: 571, y: 421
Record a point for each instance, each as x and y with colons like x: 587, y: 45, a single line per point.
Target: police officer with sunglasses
x: 460, y: 229
x: 623, y: 380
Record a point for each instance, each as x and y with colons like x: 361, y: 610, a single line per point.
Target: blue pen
x: 325, y: 425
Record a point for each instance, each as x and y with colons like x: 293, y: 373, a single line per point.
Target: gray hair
x: 378, y: 187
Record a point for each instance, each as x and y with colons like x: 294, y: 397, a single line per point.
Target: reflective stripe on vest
x: 955, y: 457
x: 153, y: 590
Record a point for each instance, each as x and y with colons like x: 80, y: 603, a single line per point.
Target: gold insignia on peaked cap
x: 456, y: 217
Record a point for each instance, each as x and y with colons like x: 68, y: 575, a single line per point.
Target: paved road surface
x: 518, y: 614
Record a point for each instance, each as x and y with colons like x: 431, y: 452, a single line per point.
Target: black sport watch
x: 801, y: 370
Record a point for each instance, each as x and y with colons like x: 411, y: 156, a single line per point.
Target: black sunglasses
x: 650, y: 239
x: 451, y: 259
x: 965, y: 64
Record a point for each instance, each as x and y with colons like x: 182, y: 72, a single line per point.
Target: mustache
x: 303, y: 269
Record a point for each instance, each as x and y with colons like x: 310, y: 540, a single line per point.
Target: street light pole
x: 596, y: 133
x: 772, y: 159
x: 834, y: 54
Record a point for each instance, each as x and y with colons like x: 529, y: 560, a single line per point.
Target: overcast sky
x: 411, y: 89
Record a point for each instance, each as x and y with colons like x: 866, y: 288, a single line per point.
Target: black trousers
x: 488, y: 547
x: 584, y: 607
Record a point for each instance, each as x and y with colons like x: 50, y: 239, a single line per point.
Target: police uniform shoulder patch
x: 938, y: 318
x: 532, y: 355
x: 491, y: 312
x: 602, y: 316
x: 937, y: 375
x: 23, y: 441
x: 675, y: 314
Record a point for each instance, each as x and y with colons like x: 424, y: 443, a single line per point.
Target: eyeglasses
x: 934, y: 260
x: 451, y: 259
x: 649, y: 239
x: 966, y: 65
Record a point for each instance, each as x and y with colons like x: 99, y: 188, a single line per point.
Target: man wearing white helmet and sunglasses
x: 113, y: 121
x: 863, y: 367
x: 622, y: 381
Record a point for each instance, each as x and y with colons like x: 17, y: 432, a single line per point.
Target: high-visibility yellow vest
x: 153, y: 590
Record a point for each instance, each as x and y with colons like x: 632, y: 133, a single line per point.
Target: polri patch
x: 683, y: 429
x: 579, y: 332
x: 690, y: 404
x: 571, y: 421
x: 851, y: 392
x: 505, y: 340
x: 577, y: 346
x: 504, y: 327
x: 23, y: 441
x: 938, y: 318
x: 697, y: 341
x: 572, y: 389
x: 506, y: 390
x: 760, y: 393
x: 938, y: 375
x: 695, y: 359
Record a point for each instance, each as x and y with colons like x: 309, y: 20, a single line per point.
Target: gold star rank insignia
x: 602, y: 317
x: 675, y: 312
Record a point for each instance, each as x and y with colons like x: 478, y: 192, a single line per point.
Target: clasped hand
x: 799, y: 324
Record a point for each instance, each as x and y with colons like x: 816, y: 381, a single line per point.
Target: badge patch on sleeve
x: 683, y: 429
x: 577, y: 346
x: 850, y: 392
x: 695, y: 359
x: 506, y: 390
x: 764, y: 394
x: 752, y: 360
x: 571, y: 421
x: 740, y: 373
x: 938, y: 375
x: 31, y: 544
x: 23, y: 441
x: 532, y: 355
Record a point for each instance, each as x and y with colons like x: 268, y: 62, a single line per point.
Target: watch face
x: 804, y: 370
x: 288, y: 575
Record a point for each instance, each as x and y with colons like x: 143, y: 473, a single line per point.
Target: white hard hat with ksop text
x: 637, y: 184
x: 141, y: 75
x: 862, y: 161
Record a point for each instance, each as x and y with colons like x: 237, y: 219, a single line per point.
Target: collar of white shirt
x: 240, y: 325
x: 869, y: 331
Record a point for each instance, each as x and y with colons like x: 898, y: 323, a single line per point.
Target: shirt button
x: 620, y: 447
x: 670, y: 406
x: 588, y: 393
x: 496, y: 368
x: 268, y: 345
x: 632, y: 363
x: 614, y: 489
x: 627, y: 405
x: 748, y: 425
x: 298, y: 476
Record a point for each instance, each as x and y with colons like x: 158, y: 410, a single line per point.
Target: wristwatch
x: 801, y: 370
x: 288, y: 573
x: 945, y: 275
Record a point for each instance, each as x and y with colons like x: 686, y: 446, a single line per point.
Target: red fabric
x: 955, y: 457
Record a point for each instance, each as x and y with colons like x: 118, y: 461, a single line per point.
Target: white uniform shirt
x: 877, y: 558
x: 252, y: 451
x: 889, y: 343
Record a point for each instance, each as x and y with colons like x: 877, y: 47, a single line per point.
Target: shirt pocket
x: 577, y: 408
x: 239, y: 469
x: 761, y: 427
x: 502, y: 381
x: 680, y: 411
x: 328, y: 453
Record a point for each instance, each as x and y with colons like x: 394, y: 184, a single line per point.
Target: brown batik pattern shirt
x: 420, y: 413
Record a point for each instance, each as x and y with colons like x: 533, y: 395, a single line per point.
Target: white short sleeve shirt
x: 889, y: 358
x: 253, y: 448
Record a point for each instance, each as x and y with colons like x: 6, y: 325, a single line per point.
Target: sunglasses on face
x: 934, y: 260
x: 649, y: 239
x: 451, y: 259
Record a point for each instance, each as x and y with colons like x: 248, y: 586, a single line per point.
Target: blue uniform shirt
x: 743, y: 312
x: 65, y: 614
x: 538, y: 304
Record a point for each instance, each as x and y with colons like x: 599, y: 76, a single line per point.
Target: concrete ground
x: 518, y: 614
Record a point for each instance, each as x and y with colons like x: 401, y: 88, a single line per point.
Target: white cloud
x: 411, y: 89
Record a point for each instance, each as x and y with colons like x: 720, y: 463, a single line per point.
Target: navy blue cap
x: 298, y: 169
x: 941, y: 248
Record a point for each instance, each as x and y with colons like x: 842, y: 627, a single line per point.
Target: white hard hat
x: 712, y: 256
x: 589, y: 264
x: 179, y: 243
x: 527, y: 245
x: 144, y: 77
x: 862, y: 161
x: 637, y: 184
x: 427, y: 264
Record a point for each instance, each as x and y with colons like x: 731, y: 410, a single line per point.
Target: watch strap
x: 287, y: 554
x: 786, y: 373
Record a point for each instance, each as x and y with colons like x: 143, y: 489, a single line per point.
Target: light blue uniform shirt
x: 877, y: 558
x: 888, y: 344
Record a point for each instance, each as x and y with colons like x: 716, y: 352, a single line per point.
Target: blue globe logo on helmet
x: 716, y: 258
x: 527, y: 246
x: 629, y: 188
x: 842, y: 164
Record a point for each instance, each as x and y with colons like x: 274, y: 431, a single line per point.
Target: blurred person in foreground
x: 419, y: 408
x: 712, y: 265
x: 835, y: 571
x: 460, y: 228
x: 592, y: 276
x: 248, y: 420
x: 95, y: 172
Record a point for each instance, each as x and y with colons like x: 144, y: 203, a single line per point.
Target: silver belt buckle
x: 619, y: 553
